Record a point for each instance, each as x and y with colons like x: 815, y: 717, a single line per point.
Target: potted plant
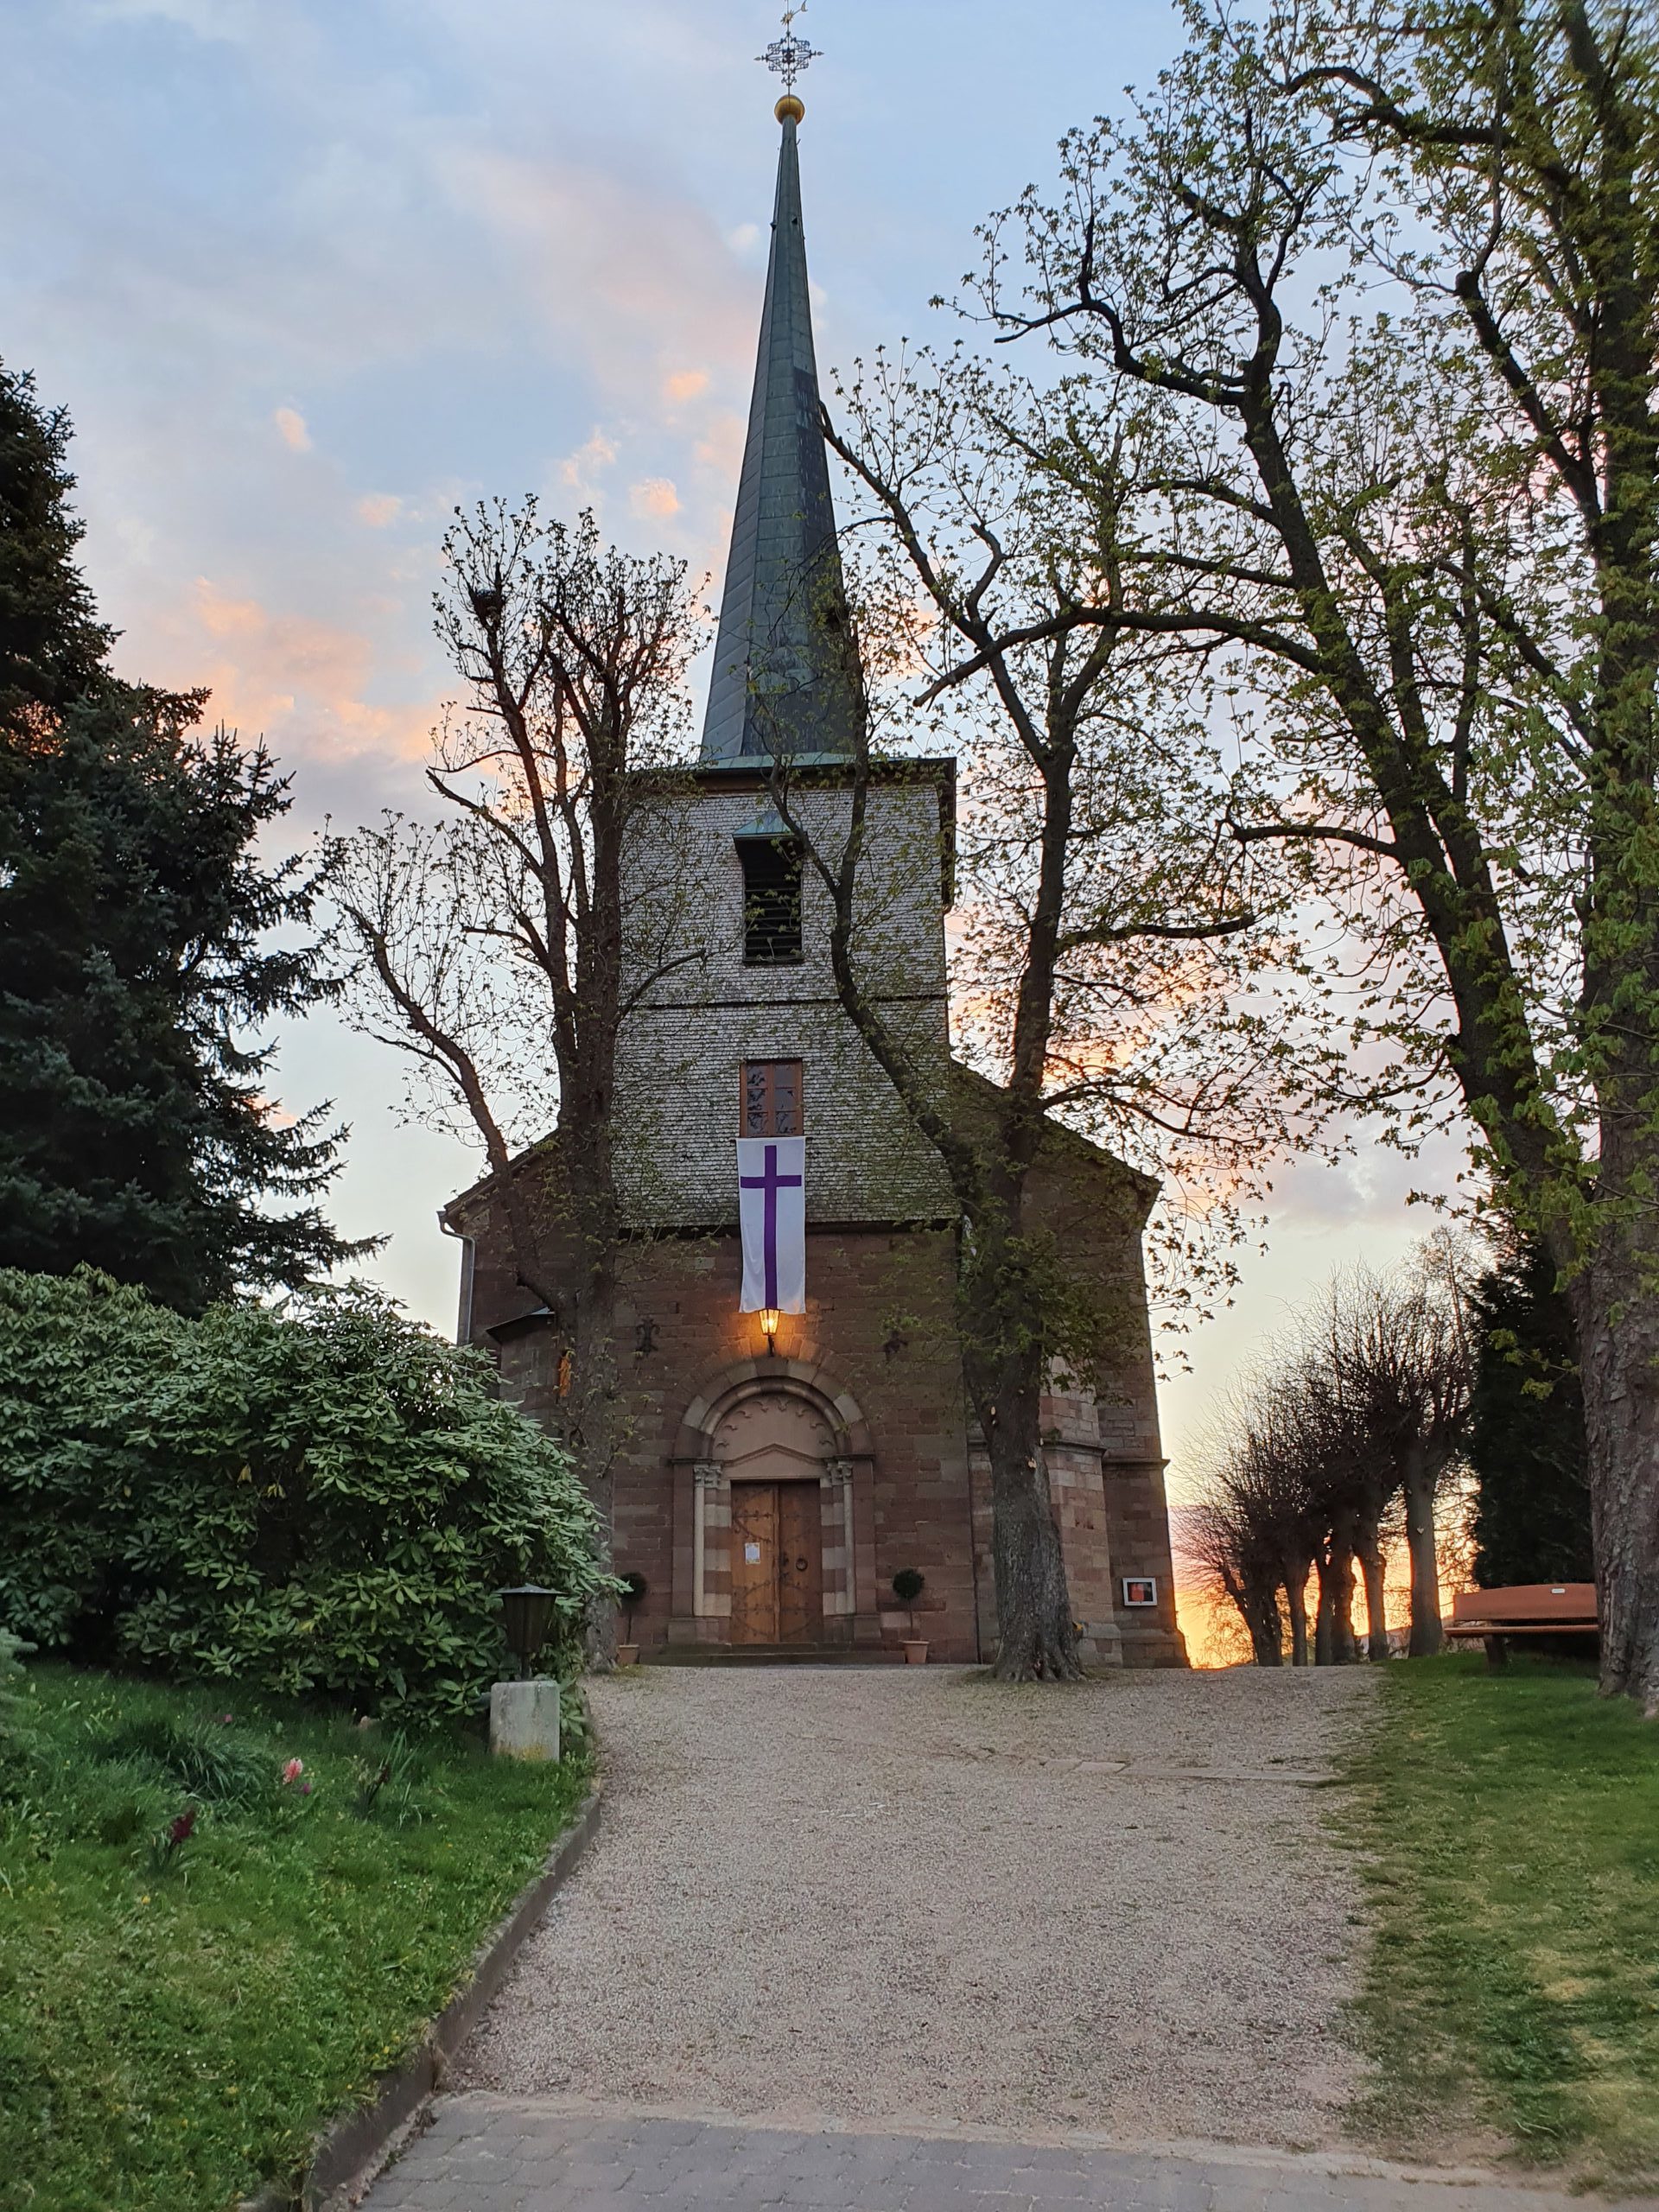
x: 634, y: 1591
x: 907, y: 1586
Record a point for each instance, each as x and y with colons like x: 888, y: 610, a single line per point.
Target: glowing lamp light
x: 770, y: 1317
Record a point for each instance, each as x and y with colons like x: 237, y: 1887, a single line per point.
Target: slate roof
x: 784, y: 681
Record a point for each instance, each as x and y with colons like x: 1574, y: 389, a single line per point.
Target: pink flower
x: 293, y: 1771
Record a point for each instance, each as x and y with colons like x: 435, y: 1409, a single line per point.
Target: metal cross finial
x: 789, y: 55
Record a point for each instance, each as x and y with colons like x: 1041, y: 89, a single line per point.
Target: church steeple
x: 784, y: 681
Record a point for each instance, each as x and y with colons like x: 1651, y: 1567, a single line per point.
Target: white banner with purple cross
x: 771, y: 1208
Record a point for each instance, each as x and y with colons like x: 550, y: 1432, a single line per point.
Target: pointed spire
x: 783, y: 681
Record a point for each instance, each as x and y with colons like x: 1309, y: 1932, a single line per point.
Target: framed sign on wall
x: 1140, y: 1589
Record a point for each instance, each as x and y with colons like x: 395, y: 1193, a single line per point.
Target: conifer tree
x: 1526, y: 1442
x: 134, y: 945
x: 53, y: 648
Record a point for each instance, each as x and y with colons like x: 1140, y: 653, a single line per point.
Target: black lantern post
x: 526, y: 1613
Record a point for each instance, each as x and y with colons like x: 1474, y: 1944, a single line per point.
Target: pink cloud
x: 376, y: 509
x: 579, y: 470
x: 720, y: 450
x: 633, y: 283
x: 656, y: 497
x: 290, y: 428
x: 296, y: 681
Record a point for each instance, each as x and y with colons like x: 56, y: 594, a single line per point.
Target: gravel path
x: 906, y: 1899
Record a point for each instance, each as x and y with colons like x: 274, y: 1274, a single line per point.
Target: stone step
x: 768, y: 1656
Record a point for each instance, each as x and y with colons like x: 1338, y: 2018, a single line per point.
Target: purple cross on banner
x: 772, y: 1208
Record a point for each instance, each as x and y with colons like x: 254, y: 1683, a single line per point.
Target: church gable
x: 1070, y: 1169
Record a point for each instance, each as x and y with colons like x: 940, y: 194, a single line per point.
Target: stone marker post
x: 525, y: 1721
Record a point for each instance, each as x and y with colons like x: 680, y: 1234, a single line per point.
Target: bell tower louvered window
x: 771, y: 900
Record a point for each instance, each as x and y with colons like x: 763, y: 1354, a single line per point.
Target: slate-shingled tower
x: 781, y: 680
x: 769, y: 1494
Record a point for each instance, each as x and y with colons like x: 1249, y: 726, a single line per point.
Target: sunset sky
x: 307, y: 274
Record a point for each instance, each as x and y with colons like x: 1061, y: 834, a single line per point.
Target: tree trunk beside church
x: 1007, y: 1350
x: 1036, y: 1638
x: 593, y: 1431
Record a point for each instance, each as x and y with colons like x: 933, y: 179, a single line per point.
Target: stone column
x: 867, y: 1617
x: 840, y: 1571
x: 712, y: 1517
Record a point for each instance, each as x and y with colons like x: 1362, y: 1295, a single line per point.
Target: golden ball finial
x: 789, y: 108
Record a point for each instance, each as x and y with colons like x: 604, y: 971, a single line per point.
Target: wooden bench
x: 1521, y: 1608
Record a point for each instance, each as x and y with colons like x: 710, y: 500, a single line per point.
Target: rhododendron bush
x: 322, y: 1497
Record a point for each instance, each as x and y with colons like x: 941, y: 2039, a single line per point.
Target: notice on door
x: 752, y: 1554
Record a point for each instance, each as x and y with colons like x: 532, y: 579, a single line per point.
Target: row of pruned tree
x: 1343, y: 1439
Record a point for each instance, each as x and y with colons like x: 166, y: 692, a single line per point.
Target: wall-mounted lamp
x: 770, y: 1317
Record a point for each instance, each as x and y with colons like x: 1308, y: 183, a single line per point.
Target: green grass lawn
x: 171, y: 2037
x: 1510, y: 1826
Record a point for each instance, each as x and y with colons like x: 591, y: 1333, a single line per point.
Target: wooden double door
x: 777, y: 1563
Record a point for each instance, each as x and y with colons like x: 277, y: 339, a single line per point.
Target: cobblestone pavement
x: 486, y: 2153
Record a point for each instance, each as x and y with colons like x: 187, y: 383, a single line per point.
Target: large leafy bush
x: 74, y: 1355
x: 320, y: 1498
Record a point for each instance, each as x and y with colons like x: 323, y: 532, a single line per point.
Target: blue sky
x: 309, y: 272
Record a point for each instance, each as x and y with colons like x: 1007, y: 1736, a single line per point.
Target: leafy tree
x: 1113, y: 966
x: 1526, y: 1442
x: 497, y: 950
x: 1394, y: 284
x: 137, y: 952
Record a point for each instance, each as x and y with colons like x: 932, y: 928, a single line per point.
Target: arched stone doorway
x: 777, y: 1465
x: 775, y: 1458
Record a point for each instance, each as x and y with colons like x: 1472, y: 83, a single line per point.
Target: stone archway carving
x: 774, y: 1424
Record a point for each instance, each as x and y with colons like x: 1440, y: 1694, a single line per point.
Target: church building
x: 778, y: 1468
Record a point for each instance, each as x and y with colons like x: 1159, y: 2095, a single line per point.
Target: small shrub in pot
x: 907, y: 1586
x: 633, y: 1590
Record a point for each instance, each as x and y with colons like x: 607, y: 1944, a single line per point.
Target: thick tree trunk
x: 593, y: 1439
x: 1295, y: 1573
x: 1333, y: 1642
x: 593, y: 1421
x: 1266, y: 1624
x: 1036, y: 1640
x: 1344, y: 1648
x: 1422, y: 1482
x: 1325, y: 1613
x: 1617, y: 1315
x: 1369, y: 1550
